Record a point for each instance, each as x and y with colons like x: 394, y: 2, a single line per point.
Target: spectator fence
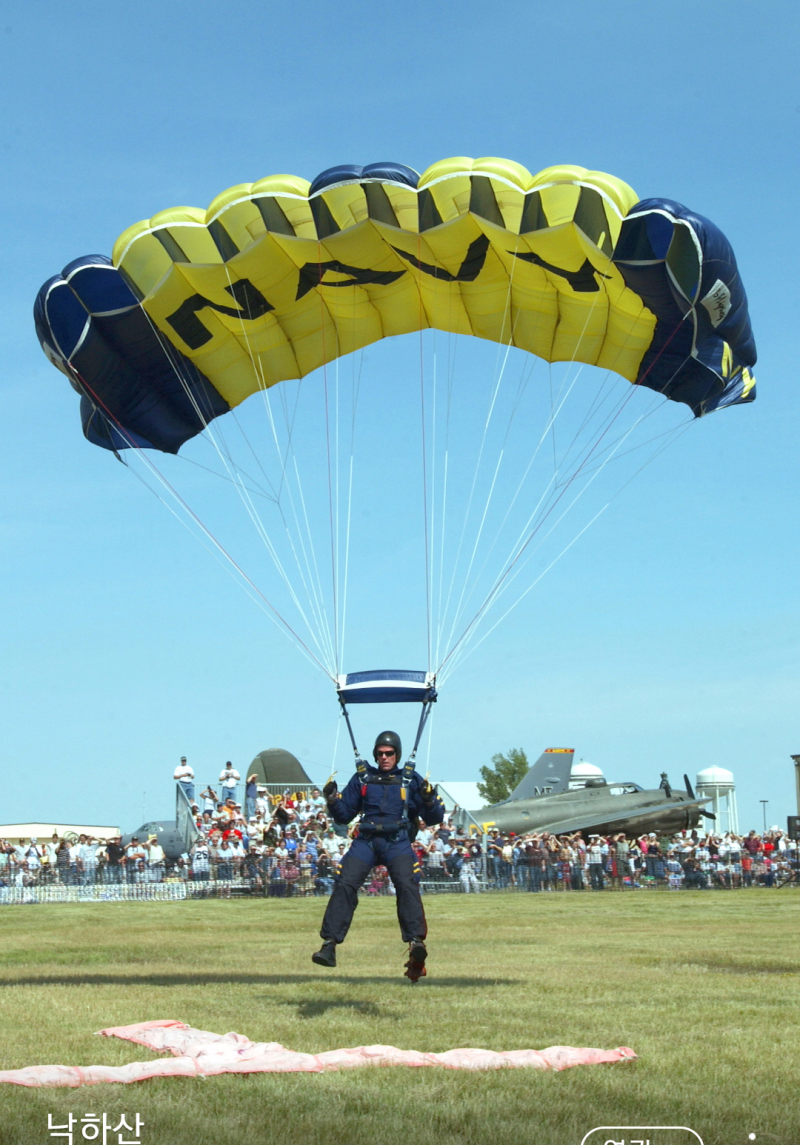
x: 255, y: 876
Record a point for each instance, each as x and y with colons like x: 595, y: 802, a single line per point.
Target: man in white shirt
x: 201, y: 855
x: 156, y: 860
x: 50, y: 850
x: 229, y: 777
x: 184, y: 775
x: 330, y: 843
x: 134, y: 855
x: 596, y: 863
x: 424, y: 837
x: 469, y: 880
x: 87, y: 854
x: 33, y: 858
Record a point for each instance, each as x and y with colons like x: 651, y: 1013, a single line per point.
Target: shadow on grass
x: 222, y: 979
x: 724, y: 966
x: 318, y: 1007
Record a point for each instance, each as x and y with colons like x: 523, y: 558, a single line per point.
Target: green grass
x: 705, y: 987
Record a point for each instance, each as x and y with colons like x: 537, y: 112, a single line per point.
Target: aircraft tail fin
x: 548, y: 776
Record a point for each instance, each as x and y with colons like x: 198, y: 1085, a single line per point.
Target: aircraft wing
x: 586, y: 822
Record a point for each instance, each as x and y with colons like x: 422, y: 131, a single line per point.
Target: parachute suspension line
x: 317, y: 594
x: 597, y: 400
x: 487, y: 422
x: 428, y: 753
x: 313, y: 591
x: 321, y: 638
x: 452, y: 349
x: 673, y: 434
x: 525, y: 377
x: 313, y: 586
x: 519, y: 567
x: 424, y: 482
x: 150, y: 464
x: 229, y: 464
x: 355, y: 386
x: 288, y: 421
x: 258, y: 492
x: 335, y: 747
x: 656, y: 437
x: 230, y: 568
x: 561, y: 400
x: 572, y: 360
x: 521, y: 543
x: 430, y: 556
x: 522, y: 548
x: 425, y: 495
x: 500, y: 370
x: 328, y: 457
x: 467, y: 648
x: 336, y: 500
x: 256, y: 458
x: 552, y: 418
x: 491, y: 596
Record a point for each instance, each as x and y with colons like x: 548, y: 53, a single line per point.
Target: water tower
x: 582, y: 771
x: 717, y: 783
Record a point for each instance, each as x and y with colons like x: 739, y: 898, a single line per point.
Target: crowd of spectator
x: 286, y: 845
x: 545, y: 862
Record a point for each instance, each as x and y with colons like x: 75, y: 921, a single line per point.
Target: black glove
x: 428, y: 793
x: 330, y: 789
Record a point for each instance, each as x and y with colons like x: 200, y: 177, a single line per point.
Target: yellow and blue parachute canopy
x: 196, y: 310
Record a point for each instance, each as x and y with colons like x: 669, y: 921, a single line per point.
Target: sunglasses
x: 389, y: 751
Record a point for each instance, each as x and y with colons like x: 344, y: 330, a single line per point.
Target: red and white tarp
x: 201, y: 1053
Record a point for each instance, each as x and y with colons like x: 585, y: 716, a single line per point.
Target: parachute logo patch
x: 717, y: 302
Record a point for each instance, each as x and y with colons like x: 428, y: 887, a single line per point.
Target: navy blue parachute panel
x: 137, y: 389
x: 684, y: 270
x: 351, y: 173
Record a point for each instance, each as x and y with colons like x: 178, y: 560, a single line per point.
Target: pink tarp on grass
x: 200, y: 1053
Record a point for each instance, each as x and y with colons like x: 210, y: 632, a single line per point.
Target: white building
x: 717, y: 783
x: 581, y: 771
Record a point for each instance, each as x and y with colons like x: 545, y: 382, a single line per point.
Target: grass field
x: 705, y: 987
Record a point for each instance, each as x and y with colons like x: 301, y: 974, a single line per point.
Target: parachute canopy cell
x: 199, y: 309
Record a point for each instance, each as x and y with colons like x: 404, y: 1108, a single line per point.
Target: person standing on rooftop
x: 184, y: 775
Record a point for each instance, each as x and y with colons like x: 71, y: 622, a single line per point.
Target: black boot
x: 415, y: 967
x: 326, y: 955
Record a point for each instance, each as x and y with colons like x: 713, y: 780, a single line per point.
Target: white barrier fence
x: 113, y: 892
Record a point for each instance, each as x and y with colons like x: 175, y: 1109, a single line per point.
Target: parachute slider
x: 387, y: 686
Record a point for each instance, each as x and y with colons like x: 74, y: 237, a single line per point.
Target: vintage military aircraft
x: 176, y: 836
x: 543, y: 801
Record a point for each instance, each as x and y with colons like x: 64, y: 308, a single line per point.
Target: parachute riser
x: 346, y: 715
x: 427, y: 694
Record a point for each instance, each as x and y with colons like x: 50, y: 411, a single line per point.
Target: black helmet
x: 388, y: 739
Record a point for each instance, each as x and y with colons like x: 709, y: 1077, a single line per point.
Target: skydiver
x: 390, y: 805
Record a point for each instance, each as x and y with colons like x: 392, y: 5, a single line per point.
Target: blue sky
x: 665, y: 639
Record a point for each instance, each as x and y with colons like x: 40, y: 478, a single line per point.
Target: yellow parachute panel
x: 280, y: 276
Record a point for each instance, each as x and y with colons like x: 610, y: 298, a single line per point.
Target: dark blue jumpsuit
x: 382, y: 839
